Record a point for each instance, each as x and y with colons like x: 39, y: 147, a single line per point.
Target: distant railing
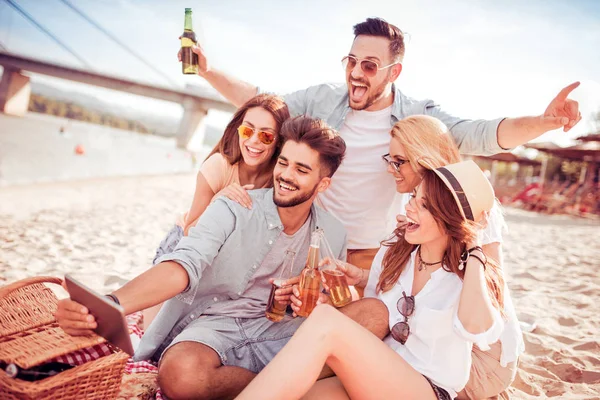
x: 196, y: 105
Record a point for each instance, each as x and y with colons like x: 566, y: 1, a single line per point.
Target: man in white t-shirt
x: 364, y: 110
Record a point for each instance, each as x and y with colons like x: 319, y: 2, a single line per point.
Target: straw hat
x: 471, y: 189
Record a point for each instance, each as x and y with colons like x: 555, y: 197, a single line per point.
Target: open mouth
x: 286, y: 187
x: 412, y: 225
x: 254, y: 152
x: 358, y: 90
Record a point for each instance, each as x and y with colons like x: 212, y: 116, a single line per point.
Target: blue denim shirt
x: 329, y: 102
x: 220, y: 255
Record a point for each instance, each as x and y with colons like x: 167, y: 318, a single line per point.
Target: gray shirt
x: 221, y: 255
x: 253, y: 301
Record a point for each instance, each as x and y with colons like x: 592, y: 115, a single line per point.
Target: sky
x: 478, y: 59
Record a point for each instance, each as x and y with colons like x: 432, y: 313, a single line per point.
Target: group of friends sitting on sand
x: 418, y: 230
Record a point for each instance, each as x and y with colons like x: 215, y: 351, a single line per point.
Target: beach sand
x: 105, y: 231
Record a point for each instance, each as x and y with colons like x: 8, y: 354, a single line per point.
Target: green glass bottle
x: 189, y: 59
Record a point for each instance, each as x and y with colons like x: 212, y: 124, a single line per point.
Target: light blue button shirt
x: 219, y: 256
x: 329, y: 102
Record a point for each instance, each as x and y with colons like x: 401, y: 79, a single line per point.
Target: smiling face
x: 365, y: 93
x: 297, y: 175
x: 406, y: 178
x: 422, y: 227
x: 254, y: 152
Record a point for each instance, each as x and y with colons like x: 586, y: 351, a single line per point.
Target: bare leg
x: 371, y: 314
x: 191, y: 370
x: 330, y: 389
x: 365, y: 365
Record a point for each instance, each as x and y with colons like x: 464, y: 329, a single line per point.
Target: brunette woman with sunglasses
x: 442, y: 294
x: 243, y: 159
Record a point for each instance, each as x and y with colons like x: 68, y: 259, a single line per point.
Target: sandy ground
x: 105, y: 231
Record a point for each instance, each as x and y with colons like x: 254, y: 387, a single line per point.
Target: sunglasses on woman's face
x: 369, y: 68
x: 396, y: 164
x: 265, y: 137
x: 406, y: 308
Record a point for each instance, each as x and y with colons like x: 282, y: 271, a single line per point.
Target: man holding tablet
x: 213, y: 337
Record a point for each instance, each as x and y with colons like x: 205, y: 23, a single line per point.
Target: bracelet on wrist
x: 113, y: 298
x: 464, y: 258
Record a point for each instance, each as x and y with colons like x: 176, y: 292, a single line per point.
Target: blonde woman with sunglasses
x: 243, y: 159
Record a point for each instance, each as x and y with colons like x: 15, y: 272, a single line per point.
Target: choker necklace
x: 423, y: 264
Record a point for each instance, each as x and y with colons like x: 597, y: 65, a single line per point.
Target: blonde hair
x: 425, y: 138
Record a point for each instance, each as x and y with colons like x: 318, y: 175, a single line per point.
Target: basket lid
x: 29, y: 334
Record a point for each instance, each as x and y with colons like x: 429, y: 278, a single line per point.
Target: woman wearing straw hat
x: 421, y: 136
x: 442, y: 294
x: 424, y: 137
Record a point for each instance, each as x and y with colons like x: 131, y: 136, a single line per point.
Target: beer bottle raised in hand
x: 334, y: 280
x: 275, y: 310
x: 310, y: 278
x: 189, y: 59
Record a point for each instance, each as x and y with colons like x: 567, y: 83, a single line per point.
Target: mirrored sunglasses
x: 265, y: 137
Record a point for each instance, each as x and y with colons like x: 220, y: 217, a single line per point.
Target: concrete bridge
x: 15, y: 91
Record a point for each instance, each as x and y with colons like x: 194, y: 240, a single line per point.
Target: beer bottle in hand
x: 189, y: 59
x: 310, y: 278
x: 275, y: 310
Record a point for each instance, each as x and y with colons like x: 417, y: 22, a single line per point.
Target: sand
x: 105, y: 231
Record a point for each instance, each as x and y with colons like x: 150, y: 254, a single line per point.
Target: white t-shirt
x: 438, y: 346
x: 362, y: 194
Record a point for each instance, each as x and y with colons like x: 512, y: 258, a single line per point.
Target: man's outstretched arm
x: 160, y: 283
x: 562, y: 112
x: 487, y: 137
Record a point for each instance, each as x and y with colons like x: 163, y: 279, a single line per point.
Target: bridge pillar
x: 193, y: 118
x: 15, y: 91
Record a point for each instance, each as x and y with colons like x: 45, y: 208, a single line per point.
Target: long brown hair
x: 445, y: 211
x: 229, y: 145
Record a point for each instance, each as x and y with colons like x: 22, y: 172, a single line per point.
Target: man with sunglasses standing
x: 364, y: 110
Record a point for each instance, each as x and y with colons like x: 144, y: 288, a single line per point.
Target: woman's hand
x: 238, y: 194
x: 354, y: 275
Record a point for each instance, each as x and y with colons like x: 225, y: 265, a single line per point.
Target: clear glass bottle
x: 310, y: 278
x: 275, y: 310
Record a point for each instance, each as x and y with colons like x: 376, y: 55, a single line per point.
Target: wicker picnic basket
x: 30, y: 336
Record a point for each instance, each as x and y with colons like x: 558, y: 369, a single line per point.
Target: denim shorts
x: 249, y: 343
x: 169, y: 243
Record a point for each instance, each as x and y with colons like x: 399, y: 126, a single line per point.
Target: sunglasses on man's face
x: 406, y: 308
x: 265, y: 137
x: 395, y: 163
x: 368, y: 67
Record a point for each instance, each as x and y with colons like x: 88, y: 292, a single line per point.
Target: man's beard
x: 372, y: 99
x: 294, y: 201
